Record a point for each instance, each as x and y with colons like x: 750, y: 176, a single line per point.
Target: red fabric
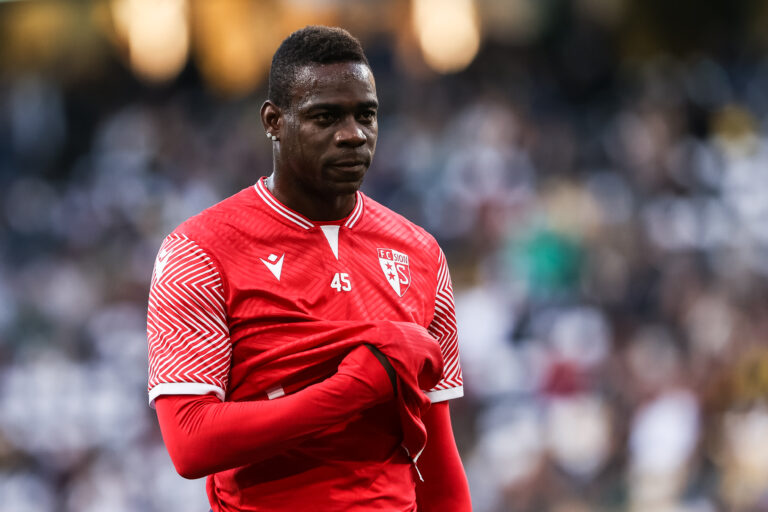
x: 204, y: 435
x: 444, y: 487
x: 231, y: 439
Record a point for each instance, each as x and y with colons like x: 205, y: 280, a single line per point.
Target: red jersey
x: 233, y: 281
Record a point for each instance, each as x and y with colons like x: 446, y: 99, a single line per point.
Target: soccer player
x: 293, y: 326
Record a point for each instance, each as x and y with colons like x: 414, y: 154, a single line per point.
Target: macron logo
x: 274, y: 264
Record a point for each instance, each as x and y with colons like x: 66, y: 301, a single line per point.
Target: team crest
x: 395, y: 267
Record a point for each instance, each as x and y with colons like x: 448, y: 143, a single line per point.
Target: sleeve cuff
x: 442, y: 395
x: 184, y: 388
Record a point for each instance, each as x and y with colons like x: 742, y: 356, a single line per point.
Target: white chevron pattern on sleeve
x: 189, y: 345
x: 443, y: 329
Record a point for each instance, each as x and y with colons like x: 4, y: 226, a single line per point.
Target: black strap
x: 386, y: 364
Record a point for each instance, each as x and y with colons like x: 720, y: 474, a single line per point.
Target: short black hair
x: 314, y: 44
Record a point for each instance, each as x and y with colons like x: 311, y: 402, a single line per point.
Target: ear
x: 271, y: 117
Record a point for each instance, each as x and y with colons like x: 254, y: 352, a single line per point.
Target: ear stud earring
x: 273, y: 137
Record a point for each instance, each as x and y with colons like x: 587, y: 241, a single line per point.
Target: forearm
x: 204, y: 435
x: 445, y: 486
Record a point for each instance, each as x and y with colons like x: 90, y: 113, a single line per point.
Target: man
x: 292, y: 326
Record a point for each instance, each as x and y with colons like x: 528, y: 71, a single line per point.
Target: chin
x: 342, y: 185
x: 346, y: 187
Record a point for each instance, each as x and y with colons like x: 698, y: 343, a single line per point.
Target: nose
x: 350, y: 133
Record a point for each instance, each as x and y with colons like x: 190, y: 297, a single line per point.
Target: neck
x: 309, y: 203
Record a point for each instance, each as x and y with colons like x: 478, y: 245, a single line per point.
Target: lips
x: 349, y: 163
x: 352, y: 165
x: 349, y: 158
x: 347, y: 170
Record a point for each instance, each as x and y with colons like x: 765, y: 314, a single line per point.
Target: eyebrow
x: 336, y: 106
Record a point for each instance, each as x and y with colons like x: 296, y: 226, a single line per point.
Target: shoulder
x: 222, y: 223
x: 387, y: 221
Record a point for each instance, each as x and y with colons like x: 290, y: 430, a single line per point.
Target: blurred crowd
x: 606, y: 227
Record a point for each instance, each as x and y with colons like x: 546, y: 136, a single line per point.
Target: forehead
x: 340, y: 83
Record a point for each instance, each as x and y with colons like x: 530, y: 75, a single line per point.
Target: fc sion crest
x: 395, y: 267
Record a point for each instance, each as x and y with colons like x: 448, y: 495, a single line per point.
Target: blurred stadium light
x: 156, y: 33
x: 448, y: 32
x: 234, y: 40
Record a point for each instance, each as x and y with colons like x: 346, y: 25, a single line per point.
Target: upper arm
x: 189, y: 344
x: 443, y: 329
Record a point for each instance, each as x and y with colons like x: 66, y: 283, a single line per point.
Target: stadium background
x: 596, y: 171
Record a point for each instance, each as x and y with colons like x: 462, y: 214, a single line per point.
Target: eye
x: 325, y: 117
x: 367, y: 116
